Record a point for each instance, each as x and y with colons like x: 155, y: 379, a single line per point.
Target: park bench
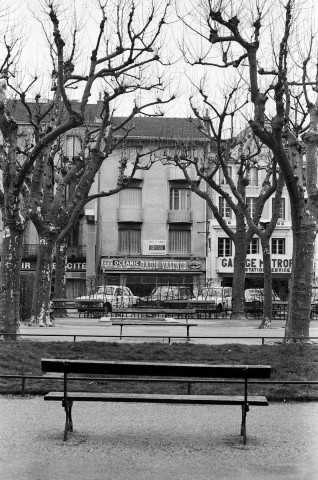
x: 148, y: 370
x: 155, y: 323
x: 63, y: 304
x: 87, y: 308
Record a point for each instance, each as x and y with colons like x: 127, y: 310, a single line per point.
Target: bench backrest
x: 154, y: 310
x: 155, y: 369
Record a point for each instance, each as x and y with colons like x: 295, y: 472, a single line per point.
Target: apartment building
x: 151, y: 233
x: 220, y: 257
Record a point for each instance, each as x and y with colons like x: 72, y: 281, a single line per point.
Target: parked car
x: 112, y: 296
x: 254, y: 298
x: 164, y: 293
x: 218, y: 297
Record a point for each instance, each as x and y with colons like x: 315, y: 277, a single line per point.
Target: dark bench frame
x: 146, y: 369
x: 155, y: 323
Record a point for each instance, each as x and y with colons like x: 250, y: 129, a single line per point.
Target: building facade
x: 220, y: 258
x: 152, y: 232
x: 157, y: 231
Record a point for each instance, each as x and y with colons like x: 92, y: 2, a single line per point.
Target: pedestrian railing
x: 169, y: 338
x: 187, y: 382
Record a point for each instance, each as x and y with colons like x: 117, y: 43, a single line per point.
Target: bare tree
x: 243, y: 153
x: 237, y: 38
x: 120, y: 62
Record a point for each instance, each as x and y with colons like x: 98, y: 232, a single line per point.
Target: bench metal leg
x: 245, y: 409
x: 67, y: 404
x: 188, y: 333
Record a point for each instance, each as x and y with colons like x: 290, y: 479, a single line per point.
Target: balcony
x: 179, y: 216
x: 30, y: 250
x: 129, y: 214
x: 175, y: 173
x: 76, y: 252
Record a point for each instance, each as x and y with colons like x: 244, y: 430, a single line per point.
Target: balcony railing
x: 30, y: 250
x: 182, y: 216
x: 76, y: 252
x: 130, y: 214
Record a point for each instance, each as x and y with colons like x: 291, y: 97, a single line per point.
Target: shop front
x: 281, y: 271
x: 142, y: 274
x: 75, y: 275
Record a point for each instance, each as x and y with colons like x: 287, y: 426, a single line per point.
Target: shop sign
x: 280, y: 264
x: 148, y: 264
x: 154, y: 247
x: 73, y: 266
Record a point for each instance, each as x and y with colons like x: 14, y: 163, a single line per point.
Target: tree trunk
x: 60, y: 274
x: 11, y: 257
x: 42, y: 286
x: 238, y: 304
x: 299, y: 305
x: 267, y: 269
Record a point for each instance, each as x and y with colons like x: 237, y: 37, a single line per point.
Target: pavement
x: 157, y: 442
x: 224, y: 330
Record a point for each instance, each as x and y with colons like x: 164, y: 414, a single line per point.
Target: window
x: 224, y: 247
x: 130, y: 197
x: 278, y: 246
x: 129, y: 239
x: 224, y: 209
x: 251, y: 203
x: 254, y: 177
x: 180, y: 199
x: 73, y: 146
x: 222, y: 178
x: 253, y: 247
x: 282, y: 211
x: 179, y: 240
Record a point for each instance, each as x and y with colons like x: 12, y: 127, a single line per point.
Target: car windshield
x: 105, y: 290
x: 216, y: 292
x: 212, y: 292
x: 258, y: 294
x: 170, y: 292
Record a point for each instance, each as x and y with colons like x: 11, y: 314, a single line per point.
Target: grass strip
x: 290, y: 362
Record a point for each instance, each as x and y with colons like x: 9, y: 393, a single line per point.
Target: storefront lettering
x: 147, y: 264
x: 255, y: 265
x: 25, y: 266
x: 71, y: 266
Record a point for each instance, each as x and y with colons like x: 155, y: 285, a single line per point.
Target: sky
x: 179, y: 76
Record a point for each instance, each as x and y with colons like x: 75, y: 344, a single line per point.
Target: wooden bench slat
x: 158, y: 398
x: 156, y: 369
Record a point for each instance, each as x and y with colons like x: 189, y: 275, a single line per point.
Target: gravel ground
x: 156, y: 442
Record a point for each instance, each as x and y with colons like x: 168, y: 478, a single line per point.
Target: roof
x: 142, y: 127
x: 163, y: 127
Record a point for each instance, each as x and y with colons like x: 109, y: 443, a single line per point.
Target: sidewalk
x: 157, y: 442
x: 240, y: 330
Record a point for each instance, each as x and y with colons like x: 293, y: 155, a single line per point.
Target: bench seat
x: 159, y: 398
